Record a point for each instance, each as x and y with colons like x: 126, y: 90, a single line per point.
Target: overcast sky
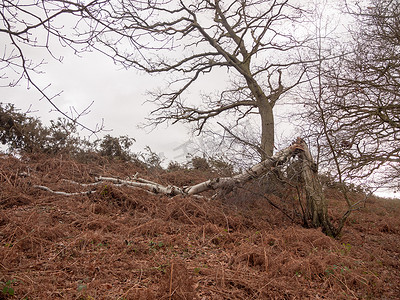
x: 118, y: 96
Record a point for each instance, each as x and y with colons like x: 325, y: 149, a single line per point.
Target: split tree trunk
x: 316, y: 206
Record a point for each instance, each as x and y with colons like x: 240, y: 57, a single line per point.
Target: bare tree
x: 368, y: 90
x: 354, y: 115
x: 250, y: 43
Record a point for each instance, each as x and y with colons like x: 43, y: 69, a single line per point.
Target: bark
x: 267, y: 130
x: 150, y: 186
x: 316, y: 205
x: 265, y: 106
x: 254, y: 172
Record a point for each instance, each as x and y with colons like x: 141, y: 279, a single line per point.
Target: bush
x: 116, y: 147
x: 213, y: 164
x: 27, y: 134
x: 200, y: 163
x: 150, y: 158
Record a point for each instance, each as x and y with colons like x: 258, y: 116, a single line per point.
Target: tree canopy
x: 250, y: 44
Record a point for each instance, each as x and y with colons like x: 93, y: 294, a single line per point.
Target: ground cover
x: 124, y: 243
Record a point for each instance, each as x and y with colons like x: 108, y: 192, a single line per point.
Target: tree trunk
x: 256, y: 171
x: 265, y: 106
x: 267, y: 129
x: 316, y: 206
x: 217, y: 183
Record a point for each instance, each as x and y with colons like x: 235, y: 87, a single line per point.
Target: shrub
x: 116, y: 147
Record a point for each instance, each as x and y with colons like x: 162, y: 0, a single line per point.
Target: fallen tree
x: 315, y: 213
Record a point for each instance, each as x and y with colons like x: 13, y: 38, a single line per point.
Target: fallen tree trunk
x: 316, y: 207
x: 256, y: 171
x: 212, y: 184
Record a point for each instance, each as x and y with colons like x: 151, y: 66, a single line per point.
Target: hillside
x: 125, y: 243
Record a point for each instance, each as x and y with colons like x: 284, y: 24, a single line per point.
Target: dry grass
x: 123, y: 243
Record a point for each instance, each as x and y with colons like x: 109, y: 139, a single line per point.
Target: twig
x: 170, y: 282
x: 45, y: 188
x: 82, y: 184
x: 187, y: 216
x: 265, y: 254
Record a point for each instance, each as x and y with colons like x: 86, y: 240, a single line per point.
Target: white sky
x: 118, y: 96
